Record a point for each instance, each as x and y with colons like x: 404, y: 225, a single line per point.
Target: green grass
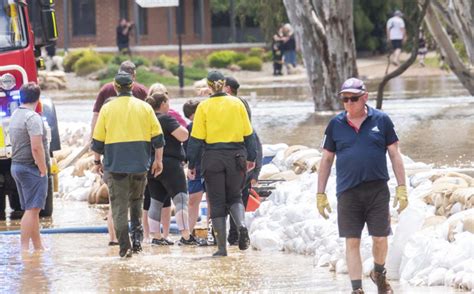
x: 435, y: 62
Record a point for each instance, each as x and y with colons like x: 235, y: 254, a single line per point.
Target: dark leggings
x: 224, y: 174
x: 147, y: 200
x: 169, y: 183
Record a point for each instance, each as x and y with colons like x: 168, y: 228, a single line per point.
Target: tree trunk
x: 460, y: 12
x: 326, y: 34
x: 464, y: 73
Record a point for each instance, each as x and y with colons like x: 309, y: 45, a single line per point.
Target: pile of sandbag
x: 74, y: 135
x: 52, y: 80
x: 99, y: 192
x: 75, y: 161
x: 290, y: 162
x: 450, y: 193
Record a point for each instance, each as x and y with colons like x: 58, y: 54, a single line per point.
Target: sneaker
x: 380, y: 279
x: 168, y: 241
x: 358, y: 291
x: 191, y: 241
x: 125, y: 253
x: 136, y: 246
x: 244, y: 240
x: 161, y: 242
x: 113, y: 243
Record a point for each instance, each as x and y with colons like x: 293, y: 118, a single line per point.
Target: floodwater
x: 437, y: 130
x: 434, y: 116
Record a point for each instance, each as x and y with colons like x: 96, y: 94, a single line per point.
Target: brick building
x: 94, y: 22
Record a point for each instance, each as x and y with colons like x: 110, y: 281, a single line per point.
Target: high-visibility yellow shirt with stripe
x: 126, y: 130
x: 221, y: 119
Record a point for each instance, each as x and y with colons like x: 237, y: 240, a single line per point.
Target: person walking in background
x: 222, y: 128
x: 30, y: 158
x: 123, y: 36
x: 231, y: 87
x: 396, y: 34
x: 289, y: 48
x: 126, y: 130
x: 172, y: 182
x: 277, y: 53
x: 360, y: 138
x: 422, y: 50
x: 108, y: 91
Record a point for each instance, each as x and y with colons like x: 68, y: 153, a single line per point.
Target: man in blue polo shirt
x: 360, y: 138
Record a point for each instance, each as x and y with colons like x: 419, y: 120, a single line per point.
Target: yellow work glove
x: 401, y: 197
x: 322, y: 204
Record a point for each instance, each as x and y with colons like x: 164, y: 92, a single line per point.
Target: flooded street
x: 82, y: 263
x: 285, y: 113
x: 438, y: 130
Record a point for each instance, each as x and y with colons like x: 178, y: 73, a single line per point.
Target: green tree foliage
x: 268, y: 14
x: 370, y: 18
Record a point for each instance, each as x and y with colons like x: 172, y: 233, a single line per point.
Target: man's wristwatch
x: 97, y: 162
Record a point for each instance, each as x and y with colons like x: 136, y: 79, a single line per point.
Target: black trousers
x: 224, y: 172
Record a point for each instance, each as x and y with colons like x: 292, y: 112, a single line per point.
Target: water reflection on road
x: 82, y: 263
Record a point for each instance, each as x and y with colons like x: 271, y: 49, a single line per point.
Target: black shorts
x: 147, y: 201
x: 396, y: 44
x: 169, y: 183
x: 368, y: 203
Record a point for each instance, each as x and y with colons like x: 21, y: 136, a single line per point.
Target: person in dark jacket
x: 222, y: 128
x: 231, y: 87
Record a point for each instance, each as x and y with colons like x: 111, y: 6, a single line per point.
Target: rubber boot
x: 237, y: 211
x: 220, y: 231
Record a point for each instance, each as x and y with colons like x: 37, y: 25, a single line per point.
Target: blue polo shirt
x: 360, y: 154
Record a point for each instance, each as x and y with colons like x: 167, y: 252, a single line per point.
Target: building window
x: 83, y: 17
x: 123, y: 8
x: 143, y: 20
x: 197, y: 17
x: 180, y: 21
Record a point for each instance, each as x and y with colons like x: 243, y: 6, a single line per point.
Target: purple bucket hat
x: 353, y: 85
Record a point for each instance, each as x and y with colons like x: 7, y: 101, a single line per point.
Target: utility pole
x: 180, y: 31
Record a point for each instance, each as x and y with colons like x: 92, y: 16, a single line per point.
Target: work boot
x: 137, y: 238
x: 380, y: 279
x: 220, y: 231
x: 237, y: 211
x: 358, y: 291
x: 125, y: 252
x: 136, y: 246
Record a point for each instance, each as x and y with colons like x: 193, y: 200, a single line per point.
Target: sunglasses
x: 346, y: 99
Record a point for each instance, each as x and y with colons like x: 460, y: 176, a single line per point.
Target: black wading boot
x: 237, y: 211
x: 220, y: 231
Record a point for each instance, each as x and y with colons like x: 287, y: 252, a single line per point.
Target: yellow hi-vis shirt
x: 126, y: 130
x: 221, y: 119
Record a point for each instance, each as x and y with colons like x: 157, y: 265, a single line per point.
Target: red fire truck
x: 25, y: 27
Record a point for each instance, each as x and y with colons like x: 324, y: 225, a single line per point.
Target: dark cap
x: 232, y: 83
x: 214, y: 76
x: 353, y: 85
x: 123, y: 78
